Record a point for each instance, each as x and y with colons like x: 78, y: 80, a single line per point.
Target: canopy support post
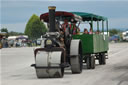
x: 98, y: 25
x: 103, y: 26
x: 91, y: 26
x: 107, y: 26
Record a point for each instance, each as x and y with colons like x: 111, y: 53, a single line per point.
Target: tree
x: 114, y: 32
x: 12, y: 33
x: 35, y: 28
x: 4, y: 30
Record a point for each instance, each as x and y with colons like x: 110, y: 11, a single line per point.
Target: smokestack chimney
x: 52, y: 18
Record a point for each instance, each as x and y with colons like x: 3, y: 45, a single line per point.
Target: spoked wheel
x: 102, y: 59
x: 90, y: 61
x: 49, y: 72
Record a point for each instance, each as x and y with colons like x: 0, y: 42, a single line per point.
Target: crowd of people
x: 90, y: 32
x: 73, y: 29
x: 70, y: 28
x: 18, y: 43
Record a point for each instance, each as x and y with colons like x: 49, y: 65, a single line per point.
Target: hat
x: 73, y: 21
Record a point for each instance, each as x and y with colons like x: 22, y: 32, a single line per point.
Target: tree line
x: 11, y: 33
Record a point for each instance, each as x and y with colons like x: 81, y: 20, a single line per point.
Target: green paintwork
x: 88, y: 16
x: 93, y: 43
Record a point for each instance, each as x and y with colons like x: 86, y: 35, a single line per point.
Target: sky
x: 15, y: 14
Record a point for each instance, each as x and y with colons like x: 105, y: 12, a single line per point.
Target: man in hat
x: 74, y: 29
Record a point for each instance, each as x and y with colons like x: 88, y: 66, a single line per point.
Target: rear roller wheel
x: 76, y: 59
x: 76, y: 64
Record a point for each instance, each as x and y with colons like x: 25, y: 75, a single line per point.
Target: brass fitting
x: 51, y: 7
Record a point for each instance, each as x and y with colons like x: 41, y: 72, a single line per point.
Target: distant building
x: 125, y: 35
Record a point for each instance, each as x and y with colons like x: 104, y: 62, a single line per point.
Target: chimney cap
x: 52, y: 7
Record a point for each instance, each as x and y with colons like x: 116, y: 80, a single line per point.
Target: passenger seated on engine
x: 64, y: 31
x: 78, y: 31
x: 57, y: 26
x: 65, y: 25
x: 73, y: 28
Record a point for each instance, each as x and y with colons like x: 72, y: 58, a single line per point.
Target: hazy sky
x: 15, y: 13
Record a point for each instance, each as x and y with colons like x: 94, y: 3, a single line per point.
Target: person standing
x: 74, y: 29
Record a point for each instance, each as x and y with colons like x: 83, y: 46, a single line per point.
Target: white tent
x: 12, y: 37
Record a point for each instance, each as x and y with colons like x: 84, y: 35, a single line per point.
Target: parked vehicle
x: 114, y: 38
x: 125, y: 36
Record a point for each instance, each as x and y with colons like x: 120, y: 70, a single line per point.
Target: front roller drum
x: 48, y: 64
x: 49, y: 73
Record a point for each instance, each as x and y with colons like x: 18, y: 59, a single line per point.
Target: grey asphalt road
x: 16, y: 70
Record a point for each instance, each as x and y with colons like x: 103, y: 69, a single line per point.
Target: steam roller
x: 57, y: 50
